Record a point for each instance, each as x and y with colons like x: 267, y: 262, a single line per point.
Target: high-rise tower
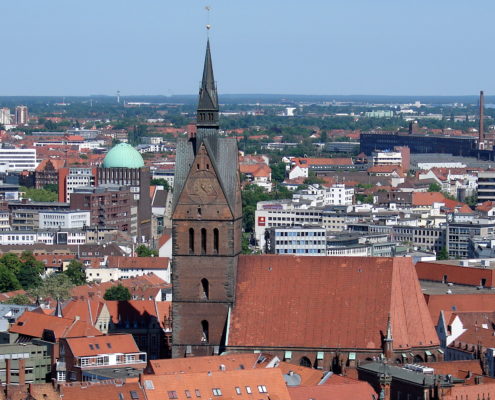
x: 481, y: 133
x: 206, y: 230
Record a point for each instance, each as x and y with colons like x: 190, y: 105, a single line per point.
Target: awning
x: 288, y: 355
x: 440, y: 351
x: 320, y: 355
x: 404, y: 355
x: 428, y: 353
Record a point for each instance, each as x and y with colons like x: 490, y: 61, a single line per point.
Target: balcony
x: 111, y: 360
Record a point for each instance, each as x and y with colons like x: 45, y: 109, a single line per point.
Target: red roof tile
x: 459, y: 302
x: 108, y: 344
x: 102, y: 390
x: 341, y: 390
x: 35, y: 324
x: 268, y: 378
x: 345, y: 300
x: 229, y: 362
x: 123, y: 262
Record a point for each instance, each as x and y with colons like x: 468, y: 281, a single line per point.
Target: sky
x: 328, y: 47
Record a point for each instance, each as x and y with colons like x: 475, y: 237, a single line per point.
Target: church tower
x: 206, y: 230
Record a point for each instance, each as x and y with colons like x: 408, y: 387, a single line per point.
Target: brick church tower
x: 206, y: 230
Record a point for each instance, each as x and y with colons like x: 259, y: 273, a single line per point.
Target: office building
x: 17, y: 160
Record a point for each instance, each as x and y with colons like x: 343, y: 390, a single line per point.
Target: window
x: 262, y: 389
x: 203, y: 241
x: 216, y: 392
x: 204, y: 331
x: 172, y: 394
x: 215, y: 240
x: 198, y: 393
x: 248, y: 390
x: 191, y: 240
x: 238, y: 390
x: 205, y: 289
x: 188, y: 394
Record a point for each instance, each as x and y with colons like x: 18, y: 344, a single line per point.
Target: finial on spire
x: 208, y: 25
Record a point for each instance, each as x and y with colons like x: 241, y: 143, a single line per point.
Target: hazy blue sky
x: 76, y: 47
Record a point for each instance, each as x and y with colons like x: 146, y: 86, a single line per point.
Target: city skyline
x: 356, y: 48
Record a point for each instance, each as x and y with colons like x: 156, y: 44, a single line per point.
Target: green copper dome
x: 123, y: 155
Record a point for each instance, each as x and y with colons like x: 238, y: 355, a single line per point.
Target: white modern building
x: 78, y: 177
x: 339, y: 195
x: 387, y: 158
x: 5, y: 117
x: 69, y: 237
x: 303, y: 241
x: 18, y: 160
x: 64, y: 219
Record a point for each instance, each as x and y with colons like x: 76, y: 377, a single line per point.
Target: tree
x: 278, y: 171
x: 8, y: 280
x: 30, y: 273
x: 434, y: 187
x: 19, y: 299
x: 143, y: 251
x: 119, y: 292
x: 12, y: 262
x: 52, y: 187
x: 443, y: 254
x: 54, y: 286
x: 75, y: 272
x: 161, y: 182
x: 38, y: 194
x: 472, y: 201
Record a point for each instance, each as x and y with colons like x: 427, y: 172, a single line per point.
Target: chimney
x: 481, y: 139
x: 22, y: 371
x: 8, y: 367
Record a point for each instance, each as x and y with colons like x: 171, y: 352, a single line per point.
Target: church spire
x: 208, y: 98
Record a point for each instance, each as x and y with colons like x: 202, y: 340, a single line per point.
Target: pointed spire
x: 208, y: 98
x: 389, y: 329
x: 58, y: 309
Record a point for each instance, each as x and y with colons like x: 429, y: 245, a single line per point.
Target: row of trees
x: 25, y: 272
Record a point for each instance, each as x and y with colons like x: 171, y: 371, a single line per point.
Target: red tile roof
x: 87, y: 310
x: 255, y: 170
x: 427, y: 198
x: 123, y: 262
x: 459, y: 369
x: 102, y: 390
x: 345, y: 300
x: 386, y: 169
x: 108, y: 344
x: 35, y: 324
x: 229, y: 362
x: 340, y: 390
x: 255, y: 379
x: 163, y: 239
x: 432, y: 271
x: 459, y: 302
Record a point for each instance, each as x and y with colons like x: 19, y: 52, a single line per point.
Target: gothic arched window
x: 191, y: 240
x: 205, y: 289
x: 215, y: 240
x: 204, y: 331
x: 203, y: 241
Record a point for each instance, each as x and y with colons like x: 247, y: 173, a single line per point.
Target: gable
x: 202, y: 193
